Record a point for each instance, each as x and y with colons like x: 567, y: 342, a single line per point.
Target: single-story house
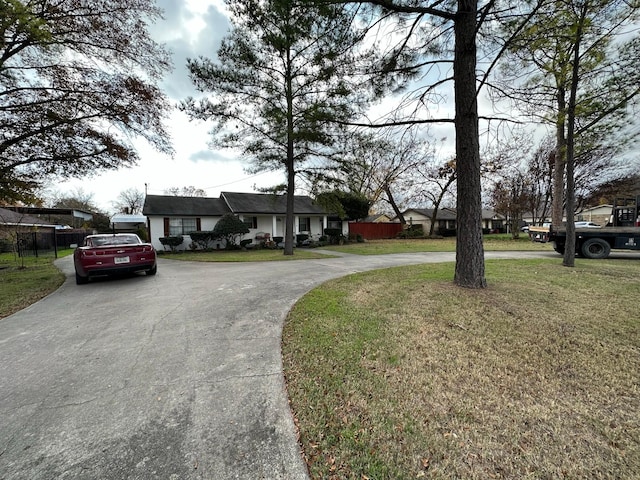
x: 17, y: 226
x: 446, y: 219
x: 492, y: 220
x: 600, y: 214
x: 264, y: 215
x: 56, y: 216
x: 377, y: 218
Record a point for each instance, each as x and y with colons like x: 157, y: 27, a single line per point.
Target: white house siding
x: 274, y: 225
x: 417, y: 219
x: 265, y: 224
x: 156, y: 230
x: 156, y: 224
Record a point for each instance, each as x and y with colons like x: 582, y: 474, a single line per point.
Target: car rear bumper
x: 97, y: 270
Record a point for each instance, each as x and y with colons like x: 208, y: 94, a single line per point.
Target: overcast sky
x: 191, y: 28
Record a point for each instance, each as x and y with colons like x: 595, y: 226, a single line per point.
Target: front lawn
x: 398, y: 374
x: 24, y: 281
x: 262, y: 255
x: 447, y: 244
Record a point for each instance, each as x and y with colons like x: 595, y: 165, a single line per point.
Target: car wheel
x: 81, y: 280
x: 558, y: 248
x: 596, y: 248
x: 153, y: 270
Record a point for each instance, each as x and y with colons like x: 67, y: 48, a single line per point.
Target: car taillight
x: 87, y: 253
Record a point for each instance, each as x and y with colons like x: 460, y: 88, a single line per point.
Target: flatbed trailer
x: 621, y: 233
x: 597, y: 242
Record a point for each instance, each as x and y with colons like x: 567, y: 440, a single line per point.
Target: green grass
x: 371, y: 247
x: 398, y: 374
x: 491, y: 243
x: 24, y: 281
x: 263, y: 255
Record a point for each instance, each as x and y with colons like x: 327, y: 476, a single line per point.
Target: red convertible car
x: 108, y: 254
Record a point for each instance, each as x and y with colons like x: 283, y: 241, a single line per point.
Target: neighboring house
x: 377, y: 218
x: 56, y: 216
x: 600, y: 214
x: 493, y: 221
x: 11, y: 220
x: 264, y: 215
x: 446, y: 220
x: 527, y: 218
x: 17, y: 226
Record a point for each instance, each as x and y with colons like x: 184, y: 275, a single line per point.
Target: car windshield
x: 112, y: 240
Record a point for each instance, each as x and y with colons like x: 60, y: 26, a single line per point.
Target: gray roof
x: 238, y: 203
x: 264, y: 203
x: 441, y: 214
x: 489, y: 214
x: 184, y: 206
x: 446, y: 213
x: 9, y: 217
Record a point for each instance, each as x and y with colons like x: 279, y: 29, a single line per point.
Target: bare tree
x: 435, y: 183
x: 189, y: 191
x: 384, y: 167
x: 577, y: 68
x: 129, y: 201
x: 78, y: 199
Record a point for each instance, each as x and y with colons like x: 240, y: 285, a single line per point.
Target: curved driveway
x: 177, y: 376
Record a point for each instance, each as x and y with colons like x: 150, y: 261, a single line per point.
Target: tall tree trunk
x: 290, y: 165
x: 289, y: 219
x: 557, y: 205
x: 569, y: 259
x: 469, y: 249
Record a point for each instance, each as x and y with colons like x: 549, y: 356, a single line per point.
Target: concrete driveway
x: 177, y: 376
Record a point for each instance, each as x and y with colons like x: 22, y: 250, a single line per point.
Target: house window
x: 334, y: 224
x: 304, y: 224
x: 181, y: 226
x: 250, y: 222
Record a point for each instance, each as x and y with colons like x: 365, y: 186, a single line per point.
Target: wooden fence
x: 374, y: 231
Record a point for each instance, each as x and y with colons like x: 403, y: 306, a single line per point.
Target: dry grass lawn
x: 24, y: 281
x: 398, y: 374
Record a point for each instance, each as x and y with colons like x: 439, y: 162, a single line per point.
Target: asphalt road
x: 175, y: 376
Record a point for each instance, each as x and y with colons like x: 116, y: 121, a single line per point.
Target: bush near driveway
x: 398, y: 374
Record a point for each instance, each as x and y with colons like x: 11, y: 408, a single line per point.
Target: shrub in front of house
x: 301, y: 238
x: 335, y: 236
x: 202, y: 240
x: 172, y: 242
x: 356, y: 237
x: 412, y: 231
x: 231, y: 229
